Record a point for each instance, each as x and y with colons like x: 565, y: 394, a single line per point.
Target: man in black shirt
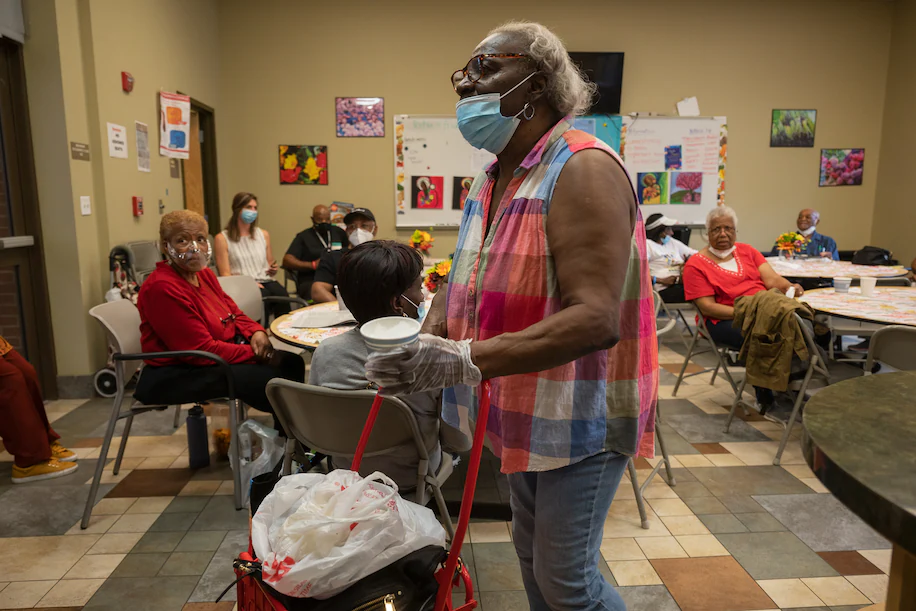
x: 308, y: 246
x: 361, y: 227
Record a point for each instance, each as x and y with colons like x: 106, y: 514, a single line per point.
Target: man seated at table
x: 818, y: 245
x: 721, y: 273
x: 361, y: 227
x: 307, y: 248
x: 382, y: 278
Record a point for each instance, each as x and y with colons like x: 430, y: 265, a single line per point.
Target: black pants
x: 673, y: 294
x: 272, y: 288
x: 176, y: 384
x: 725, y: 334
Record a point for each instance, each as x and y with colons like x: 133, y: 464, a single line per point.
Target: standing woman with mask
x: 667, y: 256
x: 183, y: 307
x: 554, y: 310
x: 243, y: 249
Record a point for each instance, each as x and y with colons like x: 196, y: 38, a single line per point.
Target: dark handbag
x: 408, y: 584
x: 872, y: 255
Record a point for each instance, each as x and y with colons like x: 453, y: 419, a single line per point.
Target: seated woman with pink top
x: 723, y: 271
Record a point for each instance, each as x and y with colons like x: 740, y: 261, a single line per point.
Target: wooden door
x: 193, y: 169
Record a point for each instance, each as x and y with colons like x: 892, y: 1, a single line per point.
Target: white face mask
x: 722, y: 254
x: 808, y: 231
x: 360, y: 236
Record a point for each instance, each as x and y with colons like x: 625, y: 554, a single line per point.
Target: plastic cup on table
x: 390, y: 332
x: 868, y: 286
x: 841, y: 284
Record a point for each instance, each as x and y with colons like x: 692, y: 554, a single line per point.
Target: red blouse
x: 176, y: 315
x: 703, y: 277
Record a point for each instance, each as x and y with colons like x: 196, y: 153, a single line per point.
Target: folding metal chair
x: 894, y: 346
x: 121, y: 321
x: 702, y: 333
x: 330, y: 422
x: 639, y: 489
x: 817, y: 369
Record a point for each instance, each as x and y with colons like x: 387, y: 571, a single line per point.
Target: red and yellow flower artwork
x: 303, y: 164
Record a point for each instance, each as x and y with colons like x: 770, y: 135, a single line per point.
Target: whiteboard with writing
x: 677, y: 164
x: 433, y: 170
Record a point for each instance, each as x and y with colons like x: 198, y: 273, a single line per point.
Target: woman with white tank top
x: 243, y: 249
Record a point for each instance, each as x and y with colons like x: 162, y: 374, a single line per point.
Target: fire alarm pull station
x: 138, y: 206
x: 127, y: 82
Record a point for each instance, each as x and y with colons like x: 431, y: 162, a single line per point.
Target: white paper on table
x: 310, y: 319
x: 688, y: 107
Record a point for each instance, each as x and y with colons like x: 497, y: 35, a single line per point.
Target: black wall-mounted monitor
x: 606, y: 71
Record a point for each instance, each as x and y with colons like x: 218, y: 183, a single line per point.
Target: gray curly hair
x: 721, y: 212
x: 568, y: 90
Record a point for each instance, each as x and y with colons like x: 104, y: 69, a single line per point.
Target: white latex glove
x: 428, y: 364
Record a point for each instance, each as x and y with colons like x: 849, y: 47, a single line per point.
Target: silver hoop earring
x: 525, y: 112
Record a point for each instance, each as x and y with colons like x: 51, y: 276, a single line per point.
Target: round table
x: 889, y: 305
x: 308, y: 338
x: 859, y: 441
x: 819, y: 267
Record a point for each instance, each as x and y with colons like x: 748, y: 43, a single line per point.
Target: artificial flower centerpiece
x: 437, y: 274
x: 790, y: 243
x: 422, y: 241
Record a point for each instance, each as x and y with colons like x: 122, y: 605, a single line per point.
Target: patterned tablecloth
x: 889, y: 304
x: 828, y: 268
x: 308, y: 338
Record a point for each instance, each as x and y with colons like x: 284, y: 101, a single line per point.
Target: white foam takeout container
x: 390, y: 332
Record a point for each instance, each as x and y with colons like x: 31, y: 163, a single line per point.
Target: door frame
x: 17, y: 142
x: 207, y: 126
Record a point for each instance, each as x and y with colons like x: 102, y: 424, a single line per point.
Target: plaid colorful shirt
x: 604, y: 401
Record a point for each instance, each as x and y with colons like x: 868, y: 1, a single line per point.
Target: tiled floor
x: 735, y: 533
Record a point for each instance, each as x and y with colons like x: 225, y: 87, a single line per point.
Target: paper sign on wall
x: 117, y: 141
x: 174, y: 125
x: 142, y: 146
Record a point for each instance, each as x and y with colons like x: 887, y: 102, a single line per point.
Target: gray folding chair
x: 817, y: 371
x: 331, y: 421
x: 247, y: 296
x: 639, y: 489
x: 144, y: 257
x: 676, y: 311
x: 660, y: 305
x: 121, y: 321
x: 894, y: 346
x: 702, y: 333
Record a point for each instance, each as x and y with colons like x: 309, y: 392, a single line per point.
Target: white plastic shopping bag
x: 318, y: 534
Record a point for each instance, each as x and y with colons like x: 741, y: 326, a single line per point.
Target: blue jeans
x: 557, y: 524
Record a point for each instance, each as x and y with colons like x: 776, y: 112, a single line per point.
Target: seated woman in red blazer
x: 183, y: 307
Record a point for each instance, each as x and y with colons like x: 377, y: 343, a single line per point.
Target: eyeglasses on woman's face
x: 480, y: 66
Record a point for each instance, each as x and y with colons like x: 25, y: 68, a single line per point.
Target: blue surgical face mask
x: 249, y: 216
x: 483, y: 125
x: 666, y: 240
x: 421, y: 309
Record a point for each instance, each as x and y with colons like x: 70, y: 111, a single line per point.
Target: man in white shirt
x: 666, y: 257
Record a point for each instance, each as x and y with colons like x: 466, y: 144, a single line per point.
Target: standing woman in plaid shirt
x: 550, y: 298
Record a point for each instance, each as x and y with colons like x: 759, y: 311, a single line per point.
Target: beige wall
x: 285, y: 62
x: 75, y: 52
x: 895, y: 213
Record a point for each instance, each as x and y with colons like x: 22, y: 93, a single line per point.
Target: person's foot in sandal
x: 48, y: 469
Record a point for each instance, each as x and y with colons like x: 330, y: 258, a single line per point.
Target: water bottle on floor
x: 198, y: 445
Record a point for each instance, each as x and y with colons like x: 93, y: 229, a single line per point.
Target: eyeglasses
x: 182, y: 245
x: 476, y: 69
x: 722, y: 229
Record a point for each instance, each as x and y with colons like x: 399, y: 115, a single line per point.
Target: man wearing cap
x: 305, y: 251
x: 361, y: 227
x: 666, y: 258
x: 818, y: 245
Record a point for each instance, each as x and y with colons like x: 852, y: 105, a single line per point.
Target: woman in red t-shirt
x: 183, y: 307
x: 724, y: 271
